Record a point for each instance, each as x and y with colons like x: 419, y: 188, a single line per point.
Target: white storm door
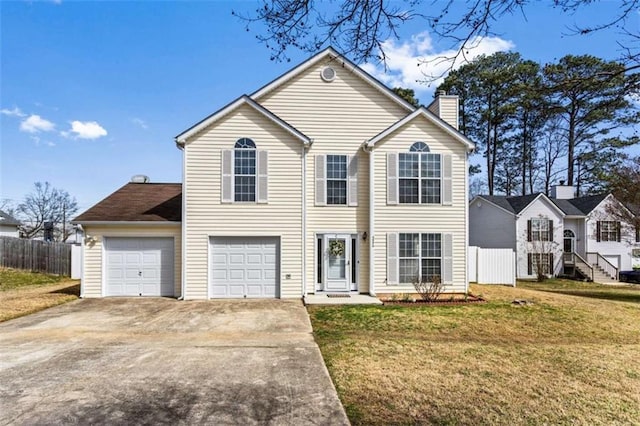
x: 337, y: 256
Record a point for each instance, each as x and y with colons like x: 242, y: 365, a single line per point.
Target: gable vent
x: 328, y: 74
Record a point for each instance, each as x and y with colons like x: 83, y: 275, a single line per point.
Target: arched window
x: 569, y: 233
x: 419, y: 147
x: 245, y: 170
x: 419, y: 175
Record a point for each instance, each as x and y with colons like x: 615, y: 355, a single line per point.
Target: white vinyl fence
x: 492, y: 266
x: 76, y: 262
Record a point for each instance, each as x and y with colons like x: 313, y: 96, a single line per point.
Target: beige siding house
x: 322, y: 181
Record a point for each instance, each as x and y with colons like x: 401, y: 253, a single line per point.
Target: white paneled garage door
x: 139, y: 266
x: 244, y: 267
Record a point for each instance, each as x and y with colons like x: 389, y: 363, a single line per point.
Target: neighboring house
x: 558, y: 234
x: 9, y: 226
x: 324, y: 180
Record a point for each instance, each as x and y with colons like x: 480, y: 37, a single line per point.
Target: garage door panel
x: 250, y: 267
x: 141, y: 266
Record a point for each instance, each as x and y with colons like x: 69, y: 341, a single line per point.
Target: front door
x: 337, y: 254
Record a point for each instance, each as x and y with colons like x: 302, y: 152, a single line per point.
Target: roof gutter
x: 127, y: 222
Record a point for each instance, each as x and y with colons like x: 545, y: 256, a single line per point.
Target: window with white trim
x: 420, y: 255
x: 540, y: 229
x: 337, y: 179
x: 540, y: 261
x: 419, y: 175
x: 608, y: 230
x: 244, y: 170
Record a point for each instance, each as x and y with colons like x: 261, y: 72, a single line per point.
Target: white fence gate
x: 492, y: 266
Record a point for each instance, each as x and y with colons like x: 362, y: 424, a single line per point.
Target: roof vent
x: 140, y: 179
x: 328, y: 74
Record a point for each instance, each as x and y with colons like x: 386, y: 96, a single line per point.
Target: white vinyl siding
x: 425, y: 218
x: 339, y: 116
x: 93, y: 260
x: 207, y: 216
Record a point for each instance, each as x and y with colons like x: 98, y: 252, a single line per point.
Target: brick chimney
x: 446, y: 107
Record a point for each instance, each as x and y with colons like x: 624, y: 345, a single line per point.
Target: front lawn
x: 564, y: 359
x: 23, y: 293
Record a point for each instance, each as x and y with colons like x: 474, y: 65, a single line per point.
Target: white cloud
x: 34, y: 124
x: 139, y: 122
x: 15, y: 112
x: 415, y: 64
x: 85, y: 130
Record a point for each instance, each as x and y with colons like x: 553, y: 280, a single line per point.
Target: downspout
x: 466, y: 221
x: 183, y: 218
x: 304, y: 220
x: 372, y: 228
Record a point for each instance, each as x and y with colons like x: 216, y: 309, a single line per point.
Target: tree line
x: 535, y: 125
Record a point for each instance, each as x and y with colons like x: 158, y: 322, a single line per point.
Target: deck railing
x: 607, y: 267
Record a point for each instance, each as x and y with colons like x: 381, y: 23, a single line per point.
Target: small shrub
x: 429, y: 290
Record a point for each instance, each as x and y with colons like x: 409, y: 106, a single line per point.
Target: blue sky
x: 94, y: 92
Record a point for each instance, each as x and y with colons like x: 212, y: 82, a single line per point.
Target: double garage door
x: 139, y: 267
x: 244, y: 267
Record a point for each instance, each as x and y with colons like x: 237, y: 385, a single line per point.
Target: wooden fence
x: 38, y: 256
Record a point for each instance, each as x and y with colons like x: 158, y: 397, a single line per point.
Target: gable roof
x: 431, y: 117
x: 7, y: 219
x: 138, y: 202
x: 330, y: 52
x: 580, y: 206
x: 588, y: 203
x: 181, y: 139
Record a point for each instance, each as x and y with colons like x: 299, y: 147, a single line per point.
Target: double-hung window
x: 541, y: 230
x: 540, y: 263
x: 337, y: 179
x: 608, y: 230
x: 419, y: 256
x: 419, y: 175
x: 245, y: 175
x: 244, y: 170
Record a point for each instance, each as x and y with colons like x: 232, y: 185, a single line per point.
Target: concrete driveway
x: 151, y: 361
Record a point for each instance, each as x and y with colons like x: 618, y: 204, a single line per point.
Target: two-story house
x: 323, y: 180
x: 560, y: 234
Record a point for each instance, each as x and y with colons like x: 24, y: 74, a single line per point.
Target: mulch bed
x: 470, y: 299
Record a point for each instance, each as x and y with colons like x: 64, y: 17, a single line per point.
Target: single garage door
x: 139, y: 266
x: 244, y: 267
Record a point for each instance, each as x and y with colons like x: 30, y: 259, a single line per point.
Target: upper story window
x: 608, y: 230
x: 244, y: 166
x: 540, y: 229
x: 419, y: 176
x: 337, y: 179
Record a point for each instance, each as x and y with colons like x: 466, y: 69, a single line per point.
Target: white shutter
x: 447, y: 258
x: 227, y: 176
x: 392, y: 178
x: 262, y: 189
x: 352, y: 183
x: 392, y: 258
x: 321, y: 182
x: 446, y: 194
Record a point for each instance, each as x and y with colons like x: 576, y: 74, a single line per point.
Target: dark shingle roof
x: 6, y: 219
x: 574, y: 207
x: 512, y: 204
x: 567, y: 207
x: 588, y: 203
x: 138, y: 202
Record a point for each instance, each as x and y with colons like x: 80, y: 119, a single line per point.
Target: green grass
x: 561, y: 360
x: 11, y: 279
